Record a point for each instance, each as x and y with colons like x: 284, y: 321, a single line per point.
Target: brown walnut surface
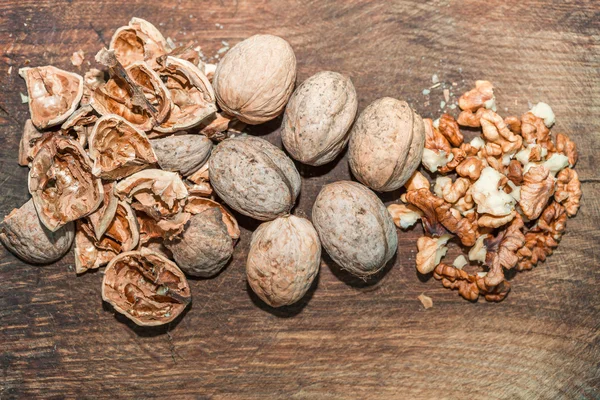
x: 345, y: 339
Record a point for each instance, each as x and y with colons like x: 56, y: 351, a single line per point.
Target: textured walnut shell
x: 205, y: 246
x: 23, y: 234
x: 192, y: 95
x: 146, y: 287
x: 160, y: 193
x: 30, y: 136
x: 138, y: 41
x: 196, y: 205
x: 62, y: 184
x: 115, y: 97
x: 254, y: 177
x: 119, y: 149
x: 80, y: 124
x: 318, y: 117
x: 283, y: 260
x: 54, y: 94
x: 255, y: 79
x: 354, y: 227
x: 386, y: 144
x: 182, y: 153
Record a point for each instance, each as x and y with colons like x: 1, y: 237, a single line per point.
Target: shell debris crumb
x: 426, y: 301
x: 77, y: 58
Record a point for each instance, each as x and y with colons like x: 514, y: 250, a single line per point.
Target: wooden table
x: 346, y: 339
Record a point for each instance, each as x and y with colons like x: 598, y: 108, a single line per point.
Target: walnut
x: 514, y: 124
x: 283, y: 260
x: 495, y: 131
x: 478, y: 252
x: 450, y: 130
x: 489, y: 198
x: 28, y: 139
x: 404, y: 216
x: 431, y: 251
x: 504, y: 245
x: 255, y: 79
x: 465, y: 204
x: 437, y: 152
x: 23, y: 234
x: 469, y: 286
x: 457, y: 157
x: 182, y: 153
x: 254, y: 177
x: 138, y: 41
x: 471, y: 168
x: 192, y: 96
x: 453, y: 191
x: 54, y: 94
x: 537, y: 188
x: 61, y: 182
x: 80, y: 124
x: 386, y: 144
x: 468, y: 118
x: 146, y: 287
x: 491, y: 221
x: 317, y: 119
x: 104, y: 215
x: 543, y: 111
x: 568, y: 190
x: 567, y: 147
x: 196, y: 205
x: 119, y: 149
x: 416, y: 181
x: 515, y: 172
x: 481, y: 96
x: 533, y: 130
x: 364, y: 239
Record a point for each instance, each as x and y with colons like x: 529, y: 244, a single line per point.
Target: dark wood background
x: 346, y: 339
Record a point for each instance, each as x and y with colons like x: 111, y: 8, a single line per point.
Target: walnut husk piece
x: 254, y: 177
x: 23, y: 234
x: 255, y: 79
x: 54, y: 94
x: 316, y: 123
x: 386, y: 144
x: 354, y: 227
x: 138, y: 41
x: 283, y: 260
x: 62, y: 184
x: 118, y: 148
x: 182, y: 153
x: 146, y: 287
x: 192, y: 95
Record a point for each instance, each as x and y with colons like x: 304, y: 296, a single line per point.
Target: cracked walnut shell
x: 138, y: 41
x: 255, y: 79
x: 386, y: 144
x: 283, y: 260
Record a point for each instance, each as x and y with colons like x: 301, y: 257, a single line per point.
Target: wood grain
x: 346, y: 339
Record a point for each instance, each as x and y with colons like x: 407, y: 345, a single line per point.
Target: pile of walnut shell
x: 508, y: 206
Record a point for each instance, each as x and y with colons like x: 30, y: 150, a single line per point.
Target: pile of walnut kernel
x: 515, y: 188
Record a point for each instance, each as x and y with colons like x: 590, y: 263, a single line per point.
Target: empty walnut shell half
x: 354, y: 227
x: 161, y: 194
x: 205, y: 246
x: 255, y: 79
x: 138, y: 41
x: 54, y: 94
x: 146, y: 287
x: 254, y: 177
x: 116, y: 97
x: 192, y: 95
x: 182, y: 153
x: 283, y: 260
x: 318, y: 117
x: 61, y: 182
x: 386, y: 144
x: 119, y: 149
x: 23, y: 234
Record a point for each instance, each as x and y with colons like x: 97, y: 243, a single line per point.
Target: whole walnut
x: 205, y: 246
x: 255, y: 79
x: 283, y: 260
x: 318, y: 117
x: 26, y: 237
x: 182, y: 153
x: 254, y: 177
x: 386, y: 144
x: 354, y: 227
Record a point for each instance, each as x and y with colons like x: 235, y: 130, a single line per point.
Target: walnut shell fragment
x: 196, y: 205
x: 205, y: 246
x: 80, y: 124
x: 192, y: 96
x: 317, y: 119
x: 54, y: 94
x: 119, y: 149
x: 23, y: 234
x: 255, y: 79
x: 103, y: 216
x: 28, y: 139
x: 138, y: 41
x: 62, y: 184
x: 182, y: 153
x: 354, y: 227
x: 146, y: 287
x: 283, y: 260
x: 386, y: 144
x: 254, y: 177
